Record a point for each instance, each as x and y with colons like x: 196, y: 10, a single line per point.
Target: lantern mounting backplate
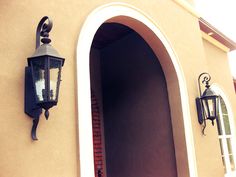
x: 31, y: 108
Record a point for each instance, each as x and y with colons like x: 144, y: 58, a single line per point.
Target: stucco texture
x: 55, y: 154
x: 218, y: 67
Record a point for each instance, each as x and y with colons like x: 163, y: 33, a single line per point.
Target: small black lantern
x: 42, y: 76
x: 207, y: 104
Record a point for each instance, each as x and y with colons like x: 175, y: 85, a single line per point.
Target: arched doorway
x: 177, y: 92
x: 128, y: 79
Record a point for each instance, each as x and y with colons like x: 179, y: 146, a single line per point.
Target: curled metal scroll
x: 43, y: 30
x: 205, y: 80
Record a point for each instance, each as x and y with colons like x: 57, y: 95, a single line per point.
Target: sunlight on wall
x: 232, y: 62
x: 221, y: 14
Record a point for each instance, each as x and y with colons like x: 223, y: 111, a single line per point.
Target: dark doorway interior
x: 131, y: 94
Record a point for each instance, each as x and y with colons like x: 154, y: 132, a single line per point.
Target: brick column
x: 97, y: 138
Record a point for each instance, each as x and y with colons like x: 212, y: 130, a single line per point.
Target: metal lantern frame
x: 207, y: 103
x: 42, y: 76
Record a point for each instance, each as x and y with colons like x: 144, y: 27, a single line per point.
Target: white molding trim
x: 89, y: 28
x: 214, y: 42
x: 188, y: 7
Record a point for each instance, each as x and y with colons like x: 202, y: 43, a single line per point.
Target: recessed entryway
x: 130, y: 107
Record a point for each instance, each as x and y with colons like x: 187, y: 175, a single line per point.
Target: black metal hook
x: 205, y: 80
x: 43, y: 30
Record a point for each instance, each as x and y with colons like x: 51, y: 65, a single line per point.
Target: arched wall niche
x: 177, y: 91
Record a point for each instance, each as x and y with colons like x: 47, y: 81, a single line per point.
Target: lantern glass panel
x: 55, y: 69
x: 38, y: 69
x: 210, y: 107
x: 214, y: 106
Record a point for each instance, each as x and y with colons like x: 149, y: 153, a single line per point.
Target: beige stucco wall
x: 56, y: 152
x: 218, y: 67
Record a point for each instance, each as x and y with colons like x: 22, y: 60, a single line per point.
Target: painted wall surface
x: 218, y: 65
x: 56, y: 152
x: 218, y: 68
x: 137, y: 123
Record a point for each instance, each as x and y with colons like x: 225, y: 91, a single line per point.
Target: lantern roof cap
x: 209, y: 93
x: 45, y: 50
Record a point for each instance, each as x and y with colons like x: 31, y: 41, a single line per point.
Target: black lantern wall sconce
x: 207, y: 103
x: 42, y: 76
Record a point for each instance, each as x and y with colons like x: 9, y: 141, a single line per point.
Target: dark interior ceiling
x: 108, y: 33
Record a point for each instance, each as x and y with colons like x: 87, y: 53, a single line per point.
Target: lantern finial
x: 46, y: 114
x: 43, y: 30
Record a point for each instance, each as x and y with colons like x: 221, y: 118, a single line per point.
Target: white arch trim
x: 94, y: 20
